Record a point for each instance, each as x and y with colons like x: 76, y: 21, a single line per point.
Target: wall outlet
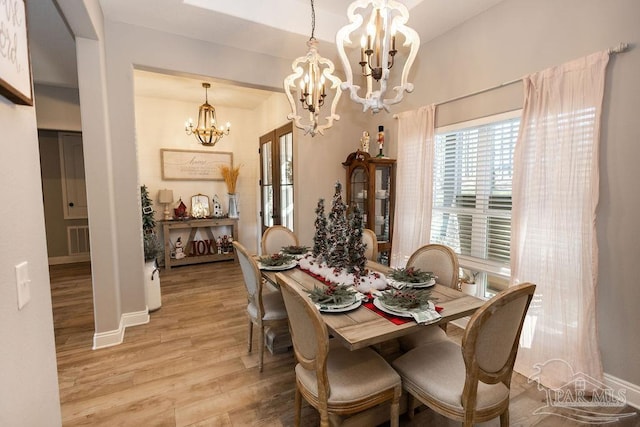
x: 23, y: 284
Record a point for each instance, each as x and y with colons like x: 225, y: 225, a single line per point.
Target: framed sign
x: 194, y: 165
x: 15, y: 67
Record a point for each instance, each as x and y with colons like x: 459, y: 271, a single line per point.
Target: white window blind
x: 472, y: 175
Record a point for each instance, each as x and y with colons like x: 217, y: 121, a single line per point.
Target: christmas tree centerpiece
x: 356, y: 248
x: 338, y: 232
x: 320, y: 238
x: 338, y: 252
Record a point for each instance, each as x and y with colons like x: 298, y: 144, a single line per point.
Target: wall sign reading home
x: 194, y: 165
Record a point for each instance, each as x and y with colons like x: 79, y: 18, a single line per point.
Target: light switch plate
x: 23, y: 283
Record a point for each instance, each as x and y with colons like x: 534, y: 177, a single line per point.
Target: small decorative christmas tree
x: 320, y: 238
x: 152, y: 245
x: 356, y: 248
x: 337, y: 232
x: 148, y: 220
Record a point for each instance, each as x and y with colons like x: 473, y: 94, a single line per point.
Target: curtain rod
x: 622, y: 47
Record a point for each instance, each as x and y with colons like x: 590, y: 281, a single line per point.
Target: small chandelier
x: 207, y: 132
x: 377, y: 50
x: 311, y: 75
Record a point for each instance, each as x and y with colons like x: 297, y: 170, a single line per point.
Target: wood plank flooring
x: 190, y: 367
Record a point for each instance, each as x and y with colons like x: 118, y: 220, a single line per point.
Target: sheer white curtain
x: 553, y: 243
x: 414, y: 183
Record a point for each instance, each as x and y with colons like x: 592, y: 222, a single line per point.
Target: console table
x: 207, y: 226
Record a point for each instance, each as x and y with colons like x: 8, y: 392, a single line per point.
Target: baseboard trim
x: 115, y: 337
x: 71, y: 259
x: 109, y: 338
x: 135, y: 318
x: 632, y: 390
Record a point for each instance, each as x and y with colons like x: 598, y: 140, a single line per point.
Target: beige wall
x: 29, y: 382
x: 58, y: 108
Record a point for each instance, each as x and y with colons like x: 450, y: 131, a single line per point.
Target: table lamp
x: 165, y: 197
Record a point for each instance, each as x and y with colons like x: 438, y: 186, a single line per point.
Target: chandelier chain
x: 313, y: 20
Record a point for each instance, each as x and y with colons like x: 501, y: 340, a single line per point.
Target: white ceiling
x: 283, y: 27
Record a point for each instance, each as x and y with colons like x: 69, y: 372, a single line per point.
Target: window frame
x: 484, y: 268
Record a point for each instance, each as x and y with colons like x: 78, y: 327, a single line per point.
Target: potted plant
x: 468, y: 283
x: 152, y: 250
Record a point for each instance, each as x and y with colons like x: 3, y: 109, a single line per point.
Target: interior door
x: 74, y: 190
x: 266, y: 180
x: 276, y: 177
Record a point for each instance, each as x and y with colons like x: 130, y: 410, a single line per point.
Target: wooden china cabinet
x: 371, y: 186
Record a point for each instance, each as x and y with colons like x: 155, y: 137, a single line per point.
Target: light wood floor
x: 189, y: 366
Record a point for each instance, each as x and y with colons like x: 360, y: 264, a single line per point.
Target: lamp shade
x: 165, y: 196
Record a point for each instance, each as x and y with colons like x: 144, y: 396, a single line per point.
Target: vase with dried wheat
x: 230, y: 175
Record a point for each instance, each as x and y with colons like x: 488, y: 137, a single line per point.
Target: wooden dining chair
x: 370, y: 239
x: 471, y: 383
x: 275, y: 238
x: 263, y: 309
x: 442, y: 261
x: 333, y: 379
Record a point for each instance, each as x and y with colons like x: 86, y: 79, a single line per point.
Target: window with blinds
x: 472, y: 175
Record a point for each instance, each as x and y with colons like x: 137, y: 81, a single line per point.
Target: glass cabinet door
x: 370, y: 187
x: 359, y: 185
x: 382, y: 205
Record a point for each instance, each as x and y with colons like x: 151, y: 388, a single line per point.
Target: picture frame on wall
x: 15, y: 65
x: 192, y: 165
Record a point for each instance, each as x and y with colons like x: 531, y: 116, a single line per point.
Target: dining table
x: 366, y: 325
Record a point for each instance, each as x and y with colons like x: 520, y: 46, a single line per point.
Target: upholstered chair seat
x: 428, y: 335
x: 273, y: 307
x: 350, y: 374
x: 438, y: 370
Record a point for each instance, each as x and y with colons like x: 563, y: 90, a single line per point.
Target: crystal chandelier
x: 207, y: 132
x: 377, y: 54
x: 306, y: 88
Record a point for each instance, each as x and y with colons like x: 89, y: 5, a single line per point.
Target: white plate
x: 334, y: 306
x: 402, y: 285
x: 282, y: 251
x: 379, y: 304
x: 350, y: 307
x: 295, y: 256
x: 278, y: 267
